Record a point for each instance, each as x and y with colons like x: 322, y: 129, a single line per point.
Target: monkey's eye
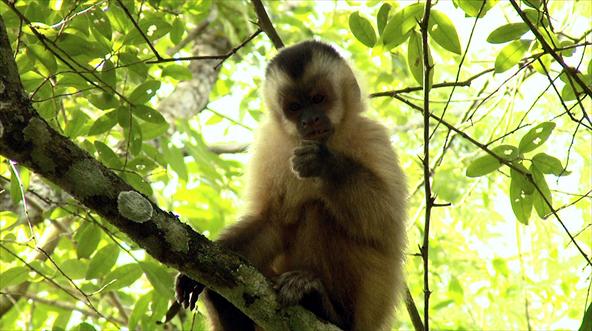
x: 294, y: 106
x: 318, y: 98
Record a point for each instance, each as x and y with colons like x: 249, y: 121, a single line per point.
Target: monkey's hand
x: 187, y: 291
x: 311, y: 159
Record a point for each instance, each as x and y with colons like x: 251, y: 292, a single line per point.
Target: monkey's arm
x: 352, y: 189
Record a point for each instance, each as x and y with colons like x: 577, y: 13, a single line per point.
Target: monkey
x: 325, y: 199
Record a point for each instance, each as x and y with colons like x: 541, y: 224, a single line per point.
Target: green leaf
x: 72, y: 45
x: 154, y: 28
x: 87, y: 238
x: 13, y: 276
x: 16, y: 193
x: 75, y: 268
x: 102, y: 262
x: 456, y: 290
x: 415, y: 58
x: 46, y: 58
x: 175, y: 159
x: 144, y: 92
x: 506, y: 152
x: 382, y: 17
x: 177, y: 72
x: 61, y: 322
x: 535, y: 137
x: 138, y: 183
x: 135, y: 144
x: 521, y: 179
x: 488, y: 163
x: 520, y: 200
x: 158, y: 306
x: 140, y: 309
x: 107, y: 156
x: 472, y: 7
x: 540, y: 205
x: 159, y: 277
x: 482, y: 166
x: 548, y: 164
x: 533, y: 3
x: 153, y: 130
x: 442, y: 304
x: 510, y: 55
x: 362, y: 29
x: 121, y: 277
x: 567, y: 52
x: 76, y: 125
x: 507, y: 32
x: 103, y: 124
x: 100, y: 22
x: 567, y: 93
x: 399, y: 25
x: 443, y: 32
x: 148, y: 114
x: 84, y: 327
x: 587, y: 320
x: 538, y: 18
x: 500, y: 266
x: 109, y: 74
x: 124, y: 116
x: 177, y: 31
x: 131, y: 60
x: 103, y: 100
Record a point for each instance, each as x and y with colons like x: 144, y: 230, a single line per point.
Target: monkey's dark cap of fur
x: 293, y: 60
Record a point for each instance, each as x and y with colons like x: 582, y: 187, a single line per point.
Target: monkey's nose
x: 311, y: 121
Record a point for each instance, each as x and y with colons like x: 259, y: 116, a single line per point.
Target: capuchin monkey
x: 325, y: 200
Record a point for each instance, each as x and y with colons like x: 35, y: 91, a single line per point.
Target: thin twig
x: 568, y: 70
x: 221, y: 57
x: 63, y: 305
x: 505, y: 162
x: 466, y: 82
x: 129, y: 15
x: 265, y: 24
x: 460, y: 64
x: 429, y: 200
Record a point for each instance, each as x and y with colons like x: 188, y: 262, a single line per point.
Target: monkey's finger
x: 311, y: 149
x: 193, y: 300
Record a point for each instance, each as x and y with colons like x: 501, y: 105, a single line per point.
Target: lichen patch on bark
x: 133, y: 206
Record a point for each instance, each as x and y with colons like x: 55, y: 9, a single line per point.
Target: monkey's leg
x: 258, y: 241
x: 225, y: 316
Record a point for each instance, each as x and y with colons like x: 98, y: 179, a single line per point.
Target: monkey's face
x: 307, y: 106
x: 307, y: 88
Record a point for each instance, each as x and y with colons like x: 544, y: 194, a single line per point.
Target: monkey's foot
x: 293, y: 286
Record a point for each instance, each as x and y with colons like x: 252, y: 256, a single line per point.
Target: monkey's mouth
x: 317, y: 135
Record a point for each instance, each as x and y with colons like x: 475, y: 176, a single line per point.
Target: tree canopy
x: 125, y: 126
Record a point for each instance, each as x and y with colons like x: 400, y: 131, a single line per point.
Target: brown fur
x: 326, y: 200
x: 349, y: 230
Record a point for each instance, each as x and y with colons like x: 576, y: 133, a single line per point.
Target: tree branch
x: 28, y: 139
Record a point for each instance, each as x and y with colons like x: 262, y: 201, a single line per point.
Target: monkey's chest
x: 311, y: 235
